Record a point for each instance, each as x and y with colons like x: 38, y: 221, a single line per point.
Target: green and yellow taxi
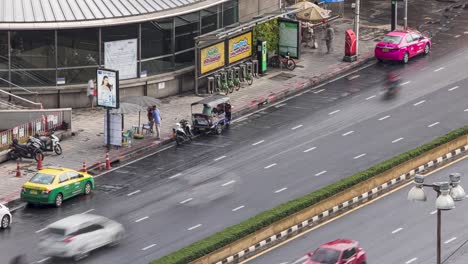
x: 53, y: 185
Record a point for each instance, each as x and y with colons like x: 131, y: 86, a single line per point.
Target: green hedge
x: 249, y: 226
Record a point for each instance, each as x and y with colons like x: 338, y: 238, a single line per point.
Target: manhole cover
x: 282, y: 76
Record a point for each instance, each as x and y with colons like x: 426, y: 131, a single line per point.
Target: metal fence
x: 44, y: 124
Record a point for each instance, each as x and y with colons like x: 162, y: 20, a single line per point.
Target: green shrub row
x: 249, y: 226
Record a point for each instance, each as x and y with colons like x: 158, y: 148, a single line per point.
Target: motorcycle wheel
x: 238, y: 86
x: 231, y: 89
x: 38, y: 153
x: 58, y: 149
x: 178, y: 140
x: 290, y: 65
x: 12, y: 155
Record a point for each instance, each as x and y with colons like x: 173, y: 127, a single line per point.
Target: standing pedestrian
x: 329, y: 37
x: 157, y: 121
x: 91, y: 92
x: 150, y: 119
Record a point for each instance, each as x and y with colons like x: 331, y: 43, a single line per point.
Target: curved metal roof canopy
x: 22, y: 14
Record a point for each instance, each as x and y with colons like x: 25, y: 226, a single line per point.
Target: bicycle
x: 247, y: 76
x: 280, y: 60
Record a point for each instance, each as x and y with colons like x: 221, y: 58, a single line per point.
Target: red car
x: 402, y: 45
x: 340, y: 251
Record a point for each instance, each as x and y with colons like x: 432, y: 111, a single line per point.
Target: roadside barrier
x: 108, y: 165
x: 18, y: 169
x: 85, y: 170
x: 39, y: 162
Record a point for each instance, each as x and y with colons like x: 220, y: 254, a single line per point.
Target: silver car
x: 5, y: 217
x: 77, y: 235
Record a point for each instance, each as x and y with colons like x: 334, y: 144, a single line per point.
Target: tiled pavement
x: 87, y: 143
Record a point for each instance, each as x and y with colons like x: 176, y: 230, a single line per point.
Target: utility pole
x: 356, y: 25
x: 394, y: 15
x: 406, y: 15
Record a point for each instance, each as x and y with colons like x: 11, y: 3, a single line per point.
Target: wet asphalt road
x: 392, y: 230
x: 184, y: 194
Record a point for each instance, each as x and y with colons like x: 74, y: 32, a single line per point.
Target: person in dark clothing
x: 227, y: 108
x: 329, y: 37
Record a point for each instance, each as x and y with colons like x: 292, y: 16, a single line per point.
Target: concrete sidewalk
x: 87, y: 142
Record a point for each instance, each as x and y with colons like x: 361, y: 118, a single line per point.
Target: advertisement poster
x: 212, y: 58
x: 115, y: 129
x: 107, y: 84
x: 122, y: 56
x: 289, y: 38
x: 240, y: 47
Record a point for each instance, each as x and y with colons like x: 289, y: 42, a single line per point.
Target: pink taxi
x: 402, y: 45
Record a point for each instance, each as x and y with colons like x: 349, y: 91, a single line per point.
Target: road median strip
x: 251, y: 235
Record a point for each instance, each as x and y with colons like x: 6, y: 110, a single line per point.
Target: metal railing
x: 19, y: 97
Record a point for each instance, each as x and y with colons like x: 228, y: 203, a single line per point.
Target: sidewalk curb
x: 240, y: 110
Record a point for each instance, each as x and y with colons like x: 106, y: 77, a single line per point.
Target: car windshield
x: 56, y: 231
x: 42, y: 178
x: 392, y: 39
x: 325, y: 256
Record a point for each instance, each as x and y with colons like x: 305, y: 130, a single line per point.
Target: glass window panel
x: 209, y: 19
x: 186, y: 29
x: 78, y: 47
x: 157, y: 66
x: 119, y: 33
x: 77, y: 76
x: 3, y: 50
x: 156, y: 38
x: 32, y: 49
x: 184, y: 59
x: 230, y: 13
x: 33, y: 78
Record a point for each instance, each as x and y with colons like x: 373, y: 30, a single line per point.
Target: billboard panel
x: 289, y: 38
x: 240, y: 47
x: 107, y: 85
x: 212, y: 58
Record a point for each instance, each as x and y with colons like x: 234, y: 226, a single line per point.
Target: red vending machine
x: 350, y: 46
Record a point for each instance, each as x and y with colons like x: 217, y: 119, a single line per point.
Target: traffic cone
x: 39, y: 162
x: 108, y: 166
x: 84, y: 167
x: 18, y: 169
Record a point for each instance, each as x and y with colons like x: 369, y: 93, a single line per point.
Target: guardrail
x: 19, y: 97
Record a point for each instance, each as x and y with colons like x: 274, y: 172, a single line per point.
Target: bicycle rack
x: 250, y: 67
x: 237, y: 72
x: 217, y: 82
x: 211, y: 85
x: 255, y: 68
x: 224, y: 75
x: 230, y: 74
x: 243, y: 72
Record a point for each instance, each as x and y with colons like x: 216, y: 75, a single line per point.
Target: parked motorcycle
x: 28, y: 151
x: 47, y: 144
x: 186, y: 127
x: 180, y: 135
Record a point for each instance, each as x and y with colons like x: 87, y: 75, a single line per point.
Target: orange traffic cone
x: 84, y: 167
x: 18, y: 169
x: 108, y: 166
x: 39, y: 162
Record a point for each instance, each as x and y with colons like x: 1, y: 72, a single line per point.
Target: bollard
x: 39, y: 162
x: 108, y: 165
x: 18, y: 169
x: 85, y: 170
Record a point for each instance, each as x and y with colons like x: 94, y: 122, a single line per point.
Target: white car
x: 5, y: 217
x: 77, y: 235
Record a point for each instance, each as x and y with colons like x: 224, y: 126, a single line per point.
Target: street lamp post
x: 447, y: 194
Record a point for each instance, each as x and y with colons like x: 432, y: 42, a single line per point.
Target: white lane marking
x: 360, y: 156
x: 296, y: 127
x: 397, y: 230
x: 398, y: 139
x: 370, y: 97
x: 405, y: 83
x: 186, y: 200
x: 88, y: 211
x: 141, y: 219
x: 348, y: 133
x: 411, y: 260
x: 280, y: 105
x: 433, y: 124
x: 319, y: 91
x: 241, y: 119
x: 238, y: 208
x: 280, y: 190
x: 220, y: 158
x: 439, y: 69
x: 450, y: 240
x: 453, y: 88
x: 466, y: 32
x: 307, y: 150
x: 383, y: 118
x: 40, y: 230
x: 354, y: 77
x: 334, y: 112
x: 135, y: 192
x: 229, y: 182
x: 269, y: 166
x: 434, y: 212
x: 457, y: 36
x: 320, y: 173
x: 259, y: 142
x: 193, y: 227
x: 300, y: 260
x: 466, y: 110
x: 175, y: 176
x: 43, y: 260
x: 148, y: 247
x: 420, y: 102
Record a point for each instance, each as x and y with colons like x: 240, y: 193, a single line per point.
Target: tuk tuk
x: 215, y: 116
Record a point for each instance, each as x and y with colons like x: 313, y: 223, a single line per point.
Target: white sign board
x: 115, y: 128
x: 4, y: 139
x: 121, y: 56
x: 107, y: 88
